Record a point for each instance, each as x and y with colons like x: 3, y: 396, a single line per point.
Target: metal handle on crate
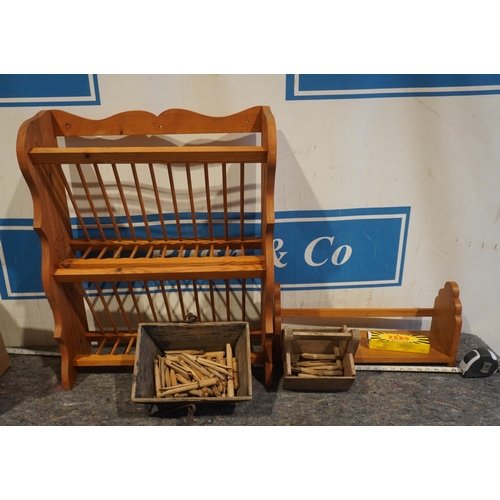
x: 191, y: 318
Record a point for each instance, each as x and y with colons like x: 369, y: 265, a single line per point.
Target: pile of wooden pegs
x: 185, y: 373
x: 319, y: 365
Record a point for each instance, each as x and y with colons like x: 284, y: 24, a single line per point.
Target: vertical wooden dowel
x: 196, y: 299
x: 225, y: 204
x: 229, y: 362
x: 191, y: 200
x: 115, y: 346
x: 242, y: 201
x: 90, y: 202
x: 158, y: 202
x: 134, y: 300
x: 76, y: 208
x: 212, y: 299
x: 124, y: 201
x: 150, y: 300
x: 141, y: 201
x: 130, y: 344
x: 157, y: 378
x: 106, y: 307
x: 134, y: 251
x: 106, y: 201
x: 165, y: 300
x: 100, y: 346
x: 181, y: 299
x: 161, y: 368
x: 236, y: 377
x: 243, y: 299
x: 121, y: 306
x: 228, y: 300
x: 174, y: 201
x: 209, y: 205
x: 90, y: 306
x: 168, y: 377
x: 173, y: 378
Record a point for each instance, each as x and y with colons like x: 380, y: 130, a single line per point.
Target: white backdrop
x: 438, y: 155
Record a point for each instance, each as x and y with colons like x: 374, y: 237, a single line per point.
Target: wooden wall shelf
x: 444, y: 332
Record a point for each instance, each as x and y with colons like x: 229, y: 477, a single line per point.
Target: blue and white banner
x: 340, y: 248
x: 305, y: 87
x: 313, y: 250
x: 49, y: 90
x: 21, y: 259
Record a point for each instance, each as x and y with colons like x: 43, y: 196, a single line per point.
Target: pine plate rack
x: 146, y: 218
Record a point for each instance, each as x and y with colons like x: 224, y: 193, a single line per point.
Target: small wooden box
x: 155, y: 338
x: 319, y: 341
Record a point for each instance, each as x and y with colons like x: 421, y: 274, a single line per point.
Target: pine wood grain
x: 189, y: 154
x: 71, y: 261
x: 77, y: 270
x: 444, y: 332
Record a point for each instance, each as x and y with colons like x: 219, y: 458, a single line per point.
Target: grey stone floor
x: 31, y: 395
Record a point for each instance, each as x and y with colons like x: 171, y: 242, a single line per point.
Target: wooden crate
x: 155, y: 338
x: 319, y: 341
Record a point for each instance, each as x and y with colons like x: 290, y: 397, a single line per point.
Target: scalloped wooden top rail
x: 171, y: 121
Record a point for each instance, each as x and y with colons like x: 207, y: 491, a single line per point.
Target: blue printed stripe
x: 311, y: 87
x: 314, y: 250
x: 49, y: 90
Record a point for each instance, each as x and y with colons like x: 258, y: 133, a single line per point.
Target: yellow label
x: 397, y: 341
